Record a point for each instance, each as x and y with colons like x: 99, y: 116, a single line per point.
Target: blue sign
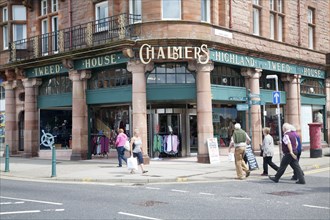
x: 276, y: 97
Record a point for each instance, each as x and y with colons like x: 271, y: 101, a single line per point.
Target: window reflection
x: 55, y: 85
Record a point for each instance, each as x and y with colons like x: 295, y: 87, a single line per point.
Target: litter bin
x: 315, y: 140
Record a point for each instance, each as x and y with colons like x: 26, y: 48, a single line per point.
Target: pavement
x: 181, y: 169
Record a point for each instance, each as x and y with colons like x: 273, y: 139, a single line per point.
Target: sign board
x: 276, y: 97
x: 212, y: 146
x: 236, y: 98
x: 253, y: 95
x: 253, y: 164
x: 242, y: 107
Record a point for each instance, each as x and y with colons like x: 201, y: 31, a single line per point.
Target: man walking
x: 238, y: 140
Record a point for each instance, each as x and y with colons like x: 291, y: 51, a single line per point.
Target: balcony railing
x: 90, y: 34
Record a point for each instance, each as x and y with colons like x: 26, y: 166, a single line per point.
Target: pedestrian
x: 136, y: 148
x: 289, y: 148
x: 120, y: 142
x: 267, y: 148
x: 294, y: 131
x: 239, y: 140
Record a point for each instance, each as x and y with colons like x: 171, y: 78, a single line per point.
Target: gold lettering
x: 106, y: 60
x: 141, y: 54
x: 161, y: 53
x: 206, y: 55
x: 113, y: 58
x: 88, y: 63
x: 51, y: 69
x: 218, y: 55
x: 187, y: 51
x: 57, y: 68
x: 197, y: 51
x: 94, y: 62
x: 46, y: 70
x: 226, y: 57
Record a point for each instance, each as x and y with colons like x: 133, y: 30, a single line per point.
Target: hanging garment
x: 157, y: 143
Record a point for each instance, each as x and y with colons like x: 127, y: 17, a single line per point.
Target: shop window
x: 109, y: 78
x: 226, y: 76
x: 171, y: 9
x: 270, y: 83
x: 2, y: 93
x: 55, y: 85
x: 170, y: 73
x: 312, y: 86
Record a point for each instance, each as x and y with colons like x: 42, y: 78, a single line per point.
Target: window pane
x: 5, y: 14
x: 255, y: 21
x: 55, y: 33
x: 180, y: 78
x: 171, y: 9
x: 310, y: 16
x: 19, y: 12
x: 256, y: 2
x: 170, y: 78
x: 54, y: 5
x: 5, y: 37
x: 271, y: 5
x: 280, y: 29
x: 310, y: 37
x: 160, y: 78
x: 19, y: 31
x: 279, y: 6
x: 272, y: 26
x: 205, y: 10
x: 43, y: 7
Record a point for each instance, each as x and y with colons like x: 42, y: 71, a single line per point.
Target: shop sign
x: 100, y: 61
x: 148, y: 53
x: 242, y: 107
x: 254, y: 62
x: 212, y: 145
x: 45, y: 70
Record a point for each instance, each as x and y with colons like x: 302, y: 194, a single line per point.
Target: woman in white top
x: 136, y: 148
x: 268, y: 151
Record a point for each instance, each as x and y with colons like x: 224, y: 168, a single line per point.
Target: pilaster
x: 79, y: 114
x: 204, y: 108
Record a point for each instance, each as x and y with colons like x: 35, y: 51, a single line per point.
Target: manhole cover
x: 151, y: 203
x: 284, y: 193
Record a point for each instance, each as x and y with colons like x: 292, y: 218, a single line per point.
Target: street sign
x: 276, y: 97
x: 254, y: 95
x: 236, y: 98
x: 242, y: 107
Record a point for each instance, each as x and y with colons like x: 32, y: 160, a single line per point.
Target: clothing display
x: 166, y: 144
x: 100, y: 145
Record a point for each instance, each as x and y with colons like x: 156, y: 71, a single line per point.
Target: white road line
x: 152, y: 188
x: 19, y: 212
x: 240, y: 198
x: 318, y: 207
x: 10, y: 203
x: 30, y: 200
x: 139, y: 216
x: 176, y: 190
x: 208, y: 194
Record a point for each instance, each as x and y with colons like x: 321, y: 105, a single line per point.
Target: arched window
x: 227, y: 76
x: 170, y: 73
x: 55, y: 85
x: 109, y: 78
x: 312, y: 86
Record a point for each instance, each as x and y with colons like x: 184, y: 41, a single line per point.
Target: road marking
x: 208, y: 194
x: 240, y: 198
x: 10, y: 203
x: 317, y: 170
x: 153, y: 188
x: 176, y: 190
x: 19, y: 212
x: 54, y: 210
x: 318, y: 207
x: 139, y: 216
x: 30, y: 200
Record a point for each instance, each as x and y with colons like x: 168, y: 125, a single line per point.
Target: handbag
x: 132, y: 163
x: 127, y: 146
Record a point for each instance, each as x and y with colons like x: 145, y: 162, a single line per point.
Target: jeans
x: 239, y: 162
x: 286, y: 160
x: 268, y: 161
x: 121, y: 155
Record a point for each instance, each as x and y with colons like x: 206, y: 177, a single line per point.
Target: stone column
x: 139, y: 101
x: 204, y: 108
x: 293, y: 106
x: 10, y: 118
x: 79, y: 114
x: 253, y: 75
x: 327, y: 92
x: 31, y: 131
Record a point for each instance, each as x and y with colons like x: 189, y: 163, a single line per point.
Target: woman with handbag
x: 267, y: 149
x: 136, y: 148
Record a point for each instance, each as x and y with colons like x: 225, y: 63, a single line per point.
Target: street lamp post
x: 278, y: 112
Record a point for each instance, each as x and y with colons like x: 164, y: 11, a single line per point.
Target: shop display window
x: 312, y: 86
x: 227, y: 76
x: 55, y: 85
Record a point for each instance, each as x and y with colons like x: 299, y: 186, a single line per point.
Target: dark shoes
x: 119, y: 166
x: 294, y: 178
x: 247, y: 174
x: 264, y: 174
x: 273, y: 179
x: 145, y: 171
x: 300, y: 182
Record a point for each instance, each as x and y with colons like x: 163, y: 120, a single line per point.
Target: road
x: 256, y: 198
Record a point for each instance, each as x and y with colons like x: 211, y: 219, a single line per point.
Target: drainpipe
x: 230, y: 14
x: 299, y: 34
x: 70, y: 20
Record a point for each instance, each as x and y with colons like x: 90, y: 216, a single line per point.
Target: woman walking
x: 120, y: 142
x: 136, y: 148
x: 268, y: 151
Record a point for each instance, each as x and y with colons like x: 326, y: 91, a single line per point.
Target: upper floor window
x: 19, y: 13
x: 205, y: 10
x: 135, y: 9
x: 109, y: 78
x: 312, y: 86
x: 170, y: 73
x: 43, y: 7
x: 54, y: 5
x: 101, y: 16
x: 55, y: 85
x: 256, y: 17
x: 171, y: 9
x: 311, y: 27
x: 226, y: 76
x: 276, y: 19
x: 5, y: 36
x: 4, y: 14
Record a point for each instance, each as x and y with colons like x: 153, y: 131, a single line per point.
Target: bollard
x: 7, y: 159
x: 53, y: 161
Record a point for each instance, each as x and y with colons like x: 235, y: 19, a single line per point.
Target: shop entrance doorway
x: 193, y: 135
x: 21, y: 131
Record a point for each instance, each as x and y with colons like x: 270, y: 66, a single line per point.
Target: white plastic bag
x: 132, y: 163
x: 231, y: 157
x: 127, y: 146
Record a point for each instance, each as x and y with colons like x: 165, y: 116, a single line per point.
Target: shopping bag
x: 231, y: 157
x: 132, y: 163
x: 127, y: 146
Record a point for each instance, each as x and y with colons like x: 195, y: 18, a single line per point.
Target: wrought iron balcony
x: 90, y: 34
